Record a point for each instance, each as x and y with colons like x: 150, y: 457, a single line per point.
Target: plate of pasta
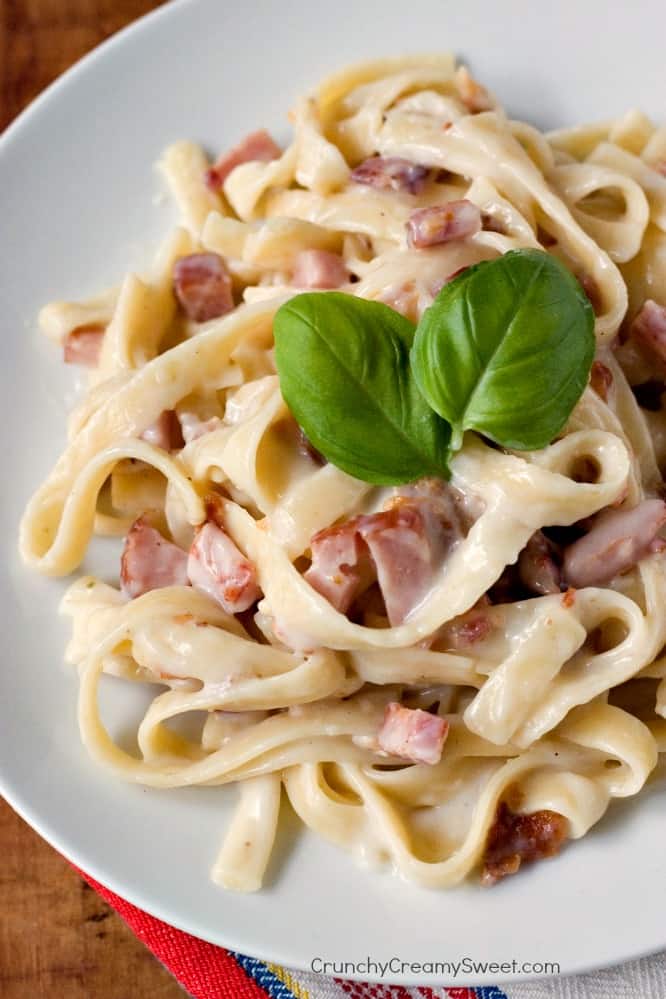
x: 338, y: 440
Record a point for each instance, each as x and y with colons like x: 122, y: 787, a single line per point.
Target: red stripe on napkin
x: 204, y: 970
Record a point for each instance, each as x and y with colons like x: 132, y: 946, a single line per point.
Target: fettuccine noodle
x: 555, y: 701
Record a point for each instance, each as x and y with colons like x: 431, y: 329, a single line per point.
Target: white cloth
x: 641, y: 979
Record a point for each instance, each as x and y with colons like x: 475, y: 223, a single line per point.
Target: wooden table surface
x: 58, y: 939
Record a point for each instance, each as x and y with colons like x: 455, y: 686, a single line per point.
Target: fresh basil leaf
x: 344, y: 372
x: 506, y: 349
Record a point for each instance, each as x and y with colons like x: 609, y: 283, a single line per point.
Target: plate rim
x: 45, y: 827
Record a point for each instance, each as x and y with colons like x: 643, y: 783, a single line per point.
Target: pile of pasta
x: 558, y: 707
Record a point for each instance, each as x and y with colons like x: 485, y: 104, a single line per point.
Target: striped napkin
x: 209, y: 972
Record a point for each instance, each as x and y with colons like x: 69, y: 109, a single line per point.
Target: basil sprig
x: 345, y: 375
x: 505, y: 349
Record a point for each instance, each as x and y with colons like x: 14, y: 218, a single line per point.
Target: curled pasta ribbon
x: 621, y: 415
x: 569, y: 773
x: 184, y: 165
x: 619, y: 231
x: 144, y: 311
x: 650, y: 180
x: 167, y: 760
x: 545, y: 668
x: 47, y: 540
x: 560, y: 703
x: 77, y: 513
x: 520, y: 495
x: 479, y: 145
x: 57, y: 319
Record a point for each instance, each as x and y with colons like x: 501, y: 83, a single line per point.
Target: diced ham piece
x: 83, y: 345
x: 406, y: 545
x: 617, y: 540
x: 216, y: 566
x: 164, y: 432
x: 649, y: 330
x: 149, y: 561
x: 257, y: 146
x: 391, y: 173
x: 443, y: 223
x: 319, y: 269
x: 601, y: 379
x: 413, y: 734
x: 516, y: 838
x: 473, y: 626
x: 340, y: 564
x: 192, y: 428
x: 202, y: 285
x: 537, y: 565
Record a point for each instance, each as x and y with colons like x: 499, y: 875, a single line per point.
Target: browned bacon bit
x: 649, y: 330
x: 475, y: 97
x: 569, y: 598
x: 319, y: 269
x: 83, y: 345
x: 514, y: 839
x: 391, y: 173
x: 537, y: 566
x: 202, y: 285
x: 601, y: 379
x: 258, y: 146
x: 443, y: 223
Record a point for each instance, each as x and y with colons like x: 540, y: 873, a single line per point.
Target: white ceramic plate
x: 78, y: 208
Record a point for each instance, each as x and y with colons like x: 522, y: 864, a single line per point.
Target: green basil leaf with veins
x: 506, y: 349
x: 344, y: 372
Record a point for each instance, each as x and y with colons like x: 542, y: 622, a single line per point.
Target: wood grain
x: 58, y: 938
x: 39, y: 39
